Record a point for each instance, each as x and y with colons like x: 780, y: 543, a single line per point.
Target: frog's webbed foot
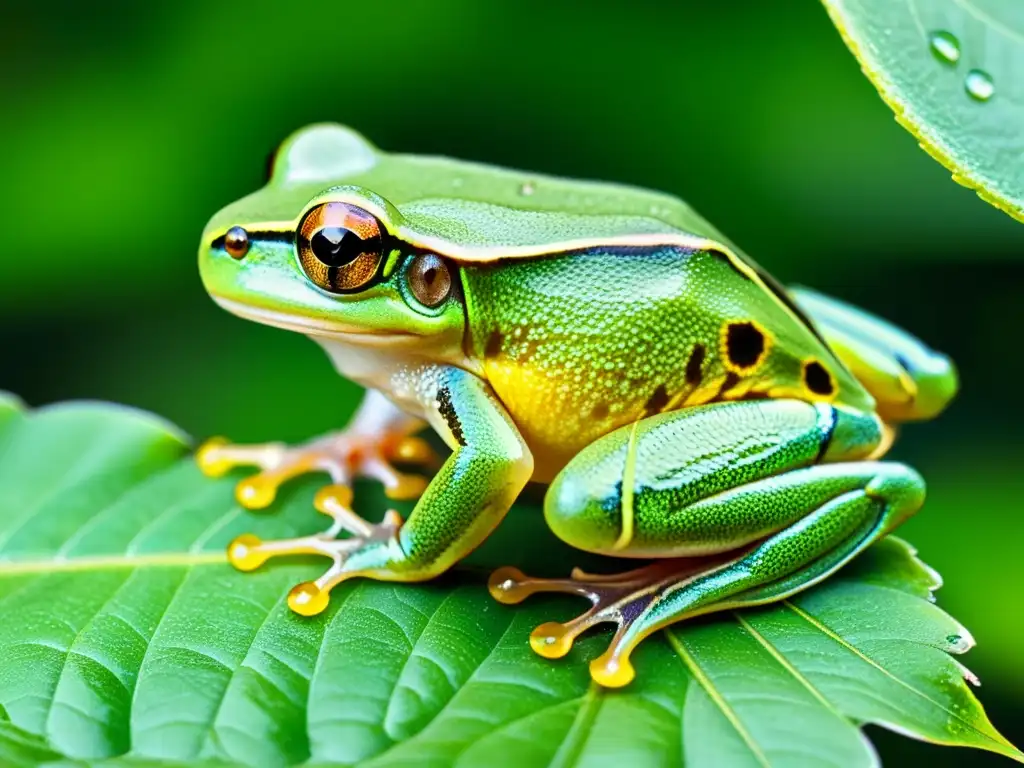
x: 343, y: 456
x: 621, y: 599
x: 248, y: 552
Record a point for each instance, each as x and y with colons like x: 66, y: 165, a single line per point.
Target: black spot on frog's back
x: 745, y: 344
x: 658, y: 400
x: 817, y: 378
x: 695, y: 365
x: 495, y: 343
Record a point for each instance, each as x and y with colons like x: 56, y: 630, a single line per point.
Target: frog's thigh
x: 746, y: 477
x: 706, y: 480
x: 909, y: 380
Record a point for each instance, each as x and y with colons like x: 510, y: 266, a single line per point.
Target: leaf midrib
x: 716, y: 696
x: 12, y: 568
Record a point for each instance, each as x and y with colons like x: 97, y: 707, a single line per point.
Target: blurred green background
x: 126, y: 125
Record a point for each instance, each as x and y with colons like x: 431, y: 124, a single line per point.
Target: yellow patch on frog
x: 795, y: 392
x: 556, y: 419
x: 741, y: 389
x: 545, y: 411
x: 705, y: 393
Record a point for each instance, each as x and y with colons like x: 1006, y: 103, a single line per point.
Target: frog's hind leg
x: 910, y: 381
x: 736, y: 497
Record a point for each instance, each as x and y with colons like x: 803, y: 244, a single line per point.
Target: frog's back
x: 589, y: 304
x: 581, y: 343
x: 592, y: 304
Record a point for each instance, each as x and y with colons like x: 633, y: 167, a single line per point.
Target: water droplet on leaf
x: 979, y: 85
x: 958, y: 643
x: 946, y: 47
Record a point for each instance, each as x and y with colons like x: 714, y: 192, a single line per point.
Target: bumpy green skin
x: 607, y: 339
x: 577, y: 345
x: 683, y: 463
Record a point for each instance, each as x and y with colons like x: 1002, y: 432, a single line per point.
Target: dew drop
x: 979, y: 85
x: 959, y: 643
x: 527, y: 189
x: 946, y: 47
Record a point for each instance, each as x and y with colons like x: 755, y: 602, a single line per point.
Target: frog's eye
x: 340, y: 247
x: 429, y: 279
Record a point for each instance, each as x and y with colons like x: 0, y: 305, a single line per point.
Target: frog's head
x: 315, y: 253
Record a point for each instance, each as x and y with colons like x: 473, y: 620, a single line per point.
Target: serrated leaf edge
x: 929, y: 143
x: 1004, y: 747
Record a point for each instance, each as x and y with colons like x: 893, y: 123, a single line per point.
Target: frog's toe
x: 342, y: 457
x: 278, y: 463
x: 622, y: 599
x: 248, y: 552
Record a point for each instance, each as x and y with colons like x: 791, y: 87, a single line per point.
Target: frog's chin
x: 317, y: 327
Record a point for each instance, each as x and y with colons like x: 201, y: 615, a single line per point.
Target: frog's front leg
x: 378, y: 435
x: 758, y: 499
x: 468, y: 497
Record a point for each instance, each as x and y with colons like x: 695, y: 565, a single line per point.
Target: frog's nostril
x: 236, y: 242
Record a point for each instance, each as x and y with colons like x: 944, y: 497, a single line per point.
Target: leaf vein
x: 571, y: 748
x: 832, y: 635
x: 71, y: 649
x: 789, y: 667
x: 716, y: 696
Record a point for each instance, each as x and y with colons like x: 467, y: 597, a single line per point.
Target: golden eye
x: 429, y: 279
x: 340, y: 247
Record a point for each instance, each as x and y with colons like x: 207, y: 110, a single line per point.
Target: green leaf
x: 127, y: 640
x: 19, y: 749
x: 951, y: 71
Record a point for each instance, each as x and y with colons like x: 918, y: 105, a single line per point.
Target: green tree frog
x: 682, y: 406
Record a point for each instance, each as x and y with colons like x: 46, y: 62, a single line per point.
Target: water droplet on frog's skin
x: 528, y: 188
x: 945, y: 46
x: 979, y: 85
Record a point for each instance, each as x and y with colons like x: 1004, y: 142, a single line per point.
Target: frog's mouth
x: 315, y: 326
